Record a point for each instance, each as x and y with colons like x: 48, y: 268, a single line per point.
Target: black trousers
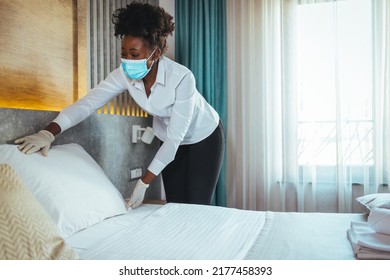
x: 193, y: 175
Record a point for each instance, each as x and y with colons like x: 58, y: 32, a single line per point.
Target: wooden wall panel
x: 39, y: 53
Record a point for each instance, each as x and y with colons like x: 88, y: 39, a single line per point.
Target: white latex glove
x: 138, y: 195
x: 36, y: 142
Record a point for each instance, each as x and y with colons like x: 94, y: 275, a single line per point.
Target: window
x: 335, y: 95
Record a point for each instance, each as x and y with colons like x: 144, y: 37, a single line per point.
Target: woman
x: 191, y: 133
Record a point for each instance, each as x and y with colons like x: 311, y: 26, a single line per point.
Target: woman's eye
x: 130, y: 56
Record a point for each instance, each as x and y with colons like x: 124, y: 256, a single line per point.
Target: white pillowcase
x: 69, y: 184
x: 375, y: 200
x: 379, y: 220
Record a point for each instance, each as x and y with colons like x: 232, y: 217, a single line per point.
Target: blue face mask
x: 136, y: 69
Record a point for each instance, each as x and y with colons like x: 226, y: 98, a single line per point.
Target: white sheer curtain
x: 261, y: 158
x: 283, y: 155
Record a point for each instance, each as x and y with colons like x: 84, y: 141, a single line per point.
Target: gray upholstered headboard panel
x: 107, y: 138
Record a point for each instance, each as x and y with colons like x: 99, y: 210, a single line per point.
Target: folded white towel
x: 363, y: 252
x: 361, y: 227
x: 379, y: 220
x: 366, y: 243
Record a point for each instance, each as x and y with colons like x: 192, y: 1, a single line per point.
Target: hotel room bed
x: 89, y: 215
x: 179, y: 231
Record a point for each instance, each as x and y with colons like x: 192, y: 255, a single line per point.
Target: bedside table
x: 154, y: 201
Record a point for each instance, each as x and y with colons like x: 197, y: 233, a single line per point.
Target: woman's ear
x: 157, y: 54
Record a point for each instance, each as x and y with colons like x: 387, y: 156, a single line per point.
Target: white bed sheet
x: 174, y: 231
x: 305, y: 236
x: 89, y: 238
x: 183, y: 231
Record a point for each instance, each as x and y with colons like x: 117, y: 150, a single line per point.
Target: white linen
x: 366, y: 243
x: 182, y: 231
x: 88, y: 238
x: 304, y: 236
x: 379, y: 220
x: 374, y: 200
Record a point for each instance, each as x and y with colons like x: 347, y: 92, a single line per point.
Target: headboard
x: 107, y: 138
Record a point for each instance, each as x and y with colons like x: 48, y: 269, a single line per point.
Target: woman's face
x: 136, y: 48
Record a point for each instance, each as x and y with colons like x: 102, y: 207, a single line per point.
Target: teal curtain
x: 200, y: 44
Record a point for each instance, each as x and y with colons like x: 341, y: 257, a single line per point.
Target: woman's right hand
x: 40, y: 141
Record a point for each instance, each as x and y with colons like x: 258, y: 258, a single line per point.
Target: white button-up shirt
x: 180, y: 113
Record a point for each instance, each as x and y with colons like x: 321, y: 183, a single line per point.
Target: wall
x: 41, y: 45
x: 43, y: 66
x: 107, y: 138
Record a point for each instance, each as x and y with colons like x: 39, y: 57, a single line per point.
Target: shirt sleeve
x: 107, y: 89
x: 180, y: 120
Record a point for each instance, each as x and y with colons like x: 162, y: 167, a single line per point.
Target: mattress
x: 183, y: 231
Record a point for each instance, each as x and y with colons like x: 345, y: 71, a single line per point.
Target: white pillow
x: 375, y: 200
x: 379, y: 220
x: 69, y: 184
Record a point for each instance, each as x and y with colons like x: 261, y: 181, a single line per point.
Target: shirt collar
x: 161, y: 71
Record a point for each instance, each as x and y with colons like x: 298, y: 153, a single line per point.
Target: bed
x: 88, y: 213
x: 70, y: 205
x: 178, y: 231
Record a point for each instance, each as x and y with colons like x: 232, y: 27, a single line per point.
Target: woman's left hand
x: 138, y: 195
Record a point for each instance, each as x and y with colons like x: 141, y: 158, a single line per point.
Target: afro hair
x: 151, y: 23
